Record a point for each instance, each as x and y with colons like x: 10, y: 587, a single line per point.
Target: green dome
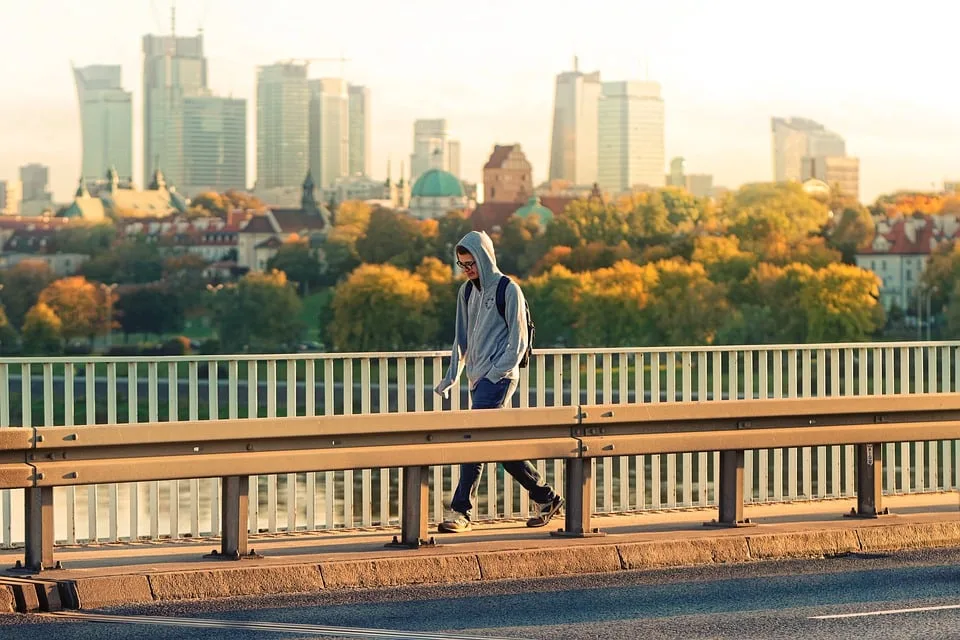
x: 534, y: 206
x: 437, y: 184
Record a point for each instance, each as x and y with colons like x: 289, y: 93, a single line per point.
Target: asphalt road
x: 905, y: 595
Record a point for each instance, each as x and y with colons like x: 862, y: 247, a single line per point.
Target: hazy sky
x: 882, y: 75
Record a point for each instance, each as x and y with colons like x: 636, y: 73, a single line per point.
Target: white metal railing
x: 130, y: 390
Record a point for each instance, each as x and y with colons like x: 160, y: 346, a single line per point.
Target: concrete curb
x: 425, y: 567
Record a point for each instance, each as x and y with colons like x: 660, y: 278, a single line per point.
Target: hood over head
x: 479, y: 244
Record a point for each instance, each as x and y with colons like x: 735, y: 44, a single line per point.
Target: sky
x: 881, y: 75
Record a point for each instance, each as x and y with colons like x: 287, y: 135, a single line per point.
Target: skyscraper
x: 453, y: 157
x: 797, y: 138
x: 630, y: 134
x: 429, y: 147
x: 573, y: 149
x: 360, y: 131
x: 173, y: 68
x: 34, y: 179
x: 214, y: 144
x: 283, y: 105
x: 329, y: 130
x: 106, y: 121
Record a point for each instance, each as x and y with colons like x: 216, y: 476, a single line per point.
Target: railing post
x: 38, y: 512
x: 869, y: 482
x: 234, y: 506
x: 413, y: 520
x: 730, y: 491
x: 578, y: 474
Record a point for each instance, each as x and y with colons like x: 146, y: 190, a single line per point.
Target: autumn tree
x: 83, y: 307
x: 87, y: 239
x: 686, y: 307
x: 380, y: 307
x: 611, y: 306
x: 391, y: 234
x: 22, y: 285
x: 42, y: 331
x: 553, y: 299
x: 8, y: 334
x: 450, y: 230
x: 443, y: 297
x: 841, y: 304
x: 262, y: 312
x: 854, y: 230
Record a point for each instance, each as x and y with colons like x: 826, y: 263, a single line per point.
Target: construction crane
x: 307, y: 61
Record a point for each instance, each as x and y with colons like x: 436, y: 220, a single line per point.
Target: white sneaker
x: 456, y: 522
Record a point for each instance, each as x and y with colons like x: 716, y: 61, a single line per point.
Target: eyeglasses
x: 466, y: 265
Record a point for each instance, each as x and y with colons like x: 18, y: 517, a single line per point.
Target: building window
x: 873, y: 265
x: 909, y: 275
x: 883, y: 265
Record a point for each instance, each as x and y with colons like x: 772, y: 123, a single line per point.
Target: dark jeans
x: 488, y: 395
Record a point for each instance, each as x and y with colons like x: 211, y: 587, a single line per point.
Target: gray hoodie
x: 488, y: 346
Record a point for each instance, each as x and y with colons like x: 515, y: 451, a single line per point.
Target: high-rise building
x: 453, y: 157
x: 34, y: 178
x: 173, y: 68
x: 573, y: 148
x: 429, y: 147
x: 106, y: 121
x: 214, y: 144
x: 329, y: 130
x: 360, y: 131
x: 11, y: 195
x: 839, y: 172
x: 283, y: 141
x: 797, y: 138
x: 630, y: 136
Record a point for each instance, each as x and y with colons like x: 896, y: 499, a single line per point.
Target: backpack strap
x: 468, y: 291
x: 502, y: 296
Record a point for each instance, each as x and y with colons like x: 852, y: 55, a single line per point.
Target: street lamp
x: 108, y: 294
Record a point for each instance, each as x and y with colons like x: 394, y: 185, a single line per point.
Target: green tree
x: 443, y: 298
x: 42, y: 331
x: 686, y: 306
x: 390, y: 235
x: 22, y: 285
x: 8, y: 334
x: 88, y: 239
x: 150, y: 309
x: 853, y: 231
x: 553, y: 298
x: 611, y: 306
x: 841, y: 304
x: 451, y: 229
x: 134, y: 261
x: 300, y: 263
x: 379, y: 307
x: 262, y: 312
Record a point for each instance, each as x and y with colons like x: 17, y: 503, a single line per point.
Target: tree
x: 22, y: 285
x: 723, y: 259
x: 82, y: 307
x: 389, y: 235
x: 8, y: 334
x: 150, y: 309
x: 451, y: 229
x: 300, y: 263
x: 611, y: 306
x: 42, y: 331
x: 841, y: 304
x: 261, y: 312
x: 686, y: 306
x: 379, y: 307
x: 134, y: 261
x: 86, y: 239
x: 769, y: 218
x: 853, y: 231
x: 443, y: 298
x: 211, y: 203
x: 553, y: 298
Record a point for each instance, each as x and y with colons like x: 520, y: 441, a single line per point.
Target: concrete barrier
x: 391, y: 572
x: 248, y: 581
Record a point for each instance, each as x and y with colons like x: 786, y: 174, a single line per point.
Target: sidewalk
x: 108, y: 574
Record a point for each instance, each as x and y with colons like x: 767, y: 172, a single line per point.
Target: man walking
x: 490, y: 345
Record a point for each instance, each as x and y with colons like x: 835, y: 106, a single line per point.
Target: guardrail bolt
x: 249, y: 447
x: 429, y: 437
x: 58, y: 565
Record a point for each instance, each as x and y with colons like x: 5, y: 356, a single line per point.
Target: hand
x: 443, y: 389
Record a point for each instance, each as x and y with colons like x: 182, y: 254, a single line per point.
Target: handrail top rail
x: 370, y: 355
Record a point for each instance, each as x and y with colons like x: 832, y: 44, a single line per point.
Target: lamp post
x: 108, y: 296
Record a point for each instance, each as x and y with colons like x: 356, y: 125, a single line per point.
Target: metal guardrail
x: 38, y: 459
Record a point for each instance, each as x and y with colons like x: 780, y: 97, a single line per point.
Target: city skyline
x: 735, y: 68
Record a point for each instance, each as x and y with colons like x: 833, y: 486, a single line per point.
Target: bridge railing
x: 79, y: 391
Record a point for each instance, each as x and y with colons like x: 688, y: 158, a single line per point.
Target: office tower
x: 214, y: 144
x: 11, y: 195
x: 630, y: 136
x: 360, y: 131
x: 429, y: 147
x: 106, y: 121
x: 573, y: 149
x: 173, y: 68
x: 453, y: 157
x: 283, y: 105
x: 34, y: 179
x: 797, y: 138
x: 329, y: 130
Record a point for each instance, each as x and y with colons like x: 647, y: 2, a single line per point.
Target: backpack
x: 502, y: 308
